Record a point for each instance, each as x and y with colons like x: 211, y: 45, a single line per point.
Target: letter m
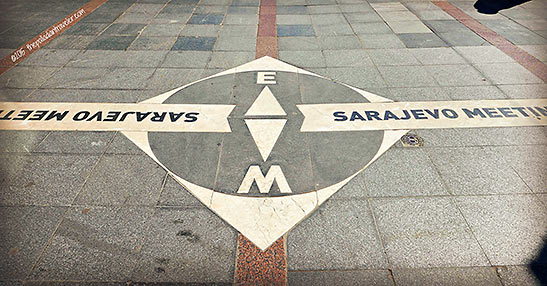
x: 264, y: 183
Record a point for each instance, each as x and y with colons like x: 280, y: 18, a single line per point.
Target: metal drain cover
x: 412, y: 140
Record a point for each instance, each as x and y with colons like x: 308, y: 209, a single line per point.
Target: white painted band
x: 423, y: 115
x: 114, y: 117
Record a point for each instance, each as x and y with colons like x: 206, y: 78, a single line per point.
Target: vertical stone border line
x: 46, y: 36
x: 254, y: 266
x: 266, y: 41
x: 528, y: 61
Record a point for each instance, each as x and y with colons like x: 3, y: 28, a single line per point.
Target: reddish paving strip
x: 254, y: 266
x: 528, y: 61
x: 266, y: 41
x: 46, y: 36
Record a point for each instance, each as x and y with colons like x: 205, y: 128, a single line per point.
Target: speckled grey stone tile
x: 477, y: 170
x: 200, y: 30
x: 447, y: 276
x: 339, y: 42
x: 364, y: 17
x: 174, y: 194
x: 357, y: 76
x: 293, y: 20
x: 82, y: 28
x: 194, y: 43
x: 295, y: 31
x: 528, y: 160
x: 323, y: 9
x: 517, y: 275
x: 73, y: 142
x: 42, y: 179
x: 381, y: 41
x: 328, y: 19
x: 241, y: 19
x: 418, y: 94
x: 347, y: 58
x: 454, y: 75
x: 159, y: 30
x: 117, y: 78
x: 122, y: 145
x: 204, y: 8
x: 171, y: 18
x: 303, y: 58
x: 341, y: 278
x: 228, y: 43
x: 363, y: 29
x: 421, y: 40
x: 523, y: 37
x: 20, y: 141
x: 242, y: 10
x: 298, y: 43
x: 437, y: 56
x: 165, y: 79
x: 403, y: 172
x: 15, y: 94
x: 524, y: 90
x: 119, y: 29
x: 484, y: 54
x: 75, y: 42
x: 407, y: 76
x: 202, y: 19
x: 238, y: 31
x: 123, y: 180
x: 337, y: 230
x: 135, y: 18
x: 483, y: 136
x: 94, y: 243
x: 186, y: 59
x: 152, y: 43
x: 201, y: 248
x: 508, y: 73
x: 333, y: 30
x: 85, y: 95
x: 24, y: 232
x: 26, y: 77
x: 426, y: 232
x: 111, y: 42
x: 510, y: 228
x: 97, y: 58
x: 49, y: 57
x: 354, y: 189
x: 474, y: 92
x: 291, y: 9
x: 462, y: 38
x: 353, y: 6
x: 392, y: 57
x: 229, y: 59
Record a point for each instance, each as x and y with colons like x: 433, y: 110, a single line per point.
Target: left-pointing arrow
x: 115, y: 117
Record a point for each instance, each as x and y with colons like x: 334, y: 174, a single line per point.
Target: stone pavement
x: 469, y: 207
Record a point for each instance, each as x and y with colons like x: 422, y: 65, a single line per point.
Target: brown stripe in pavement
x: 528, y: 61
x: 46, y: 36
x: 254, y: 266
x: 266, y: 41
